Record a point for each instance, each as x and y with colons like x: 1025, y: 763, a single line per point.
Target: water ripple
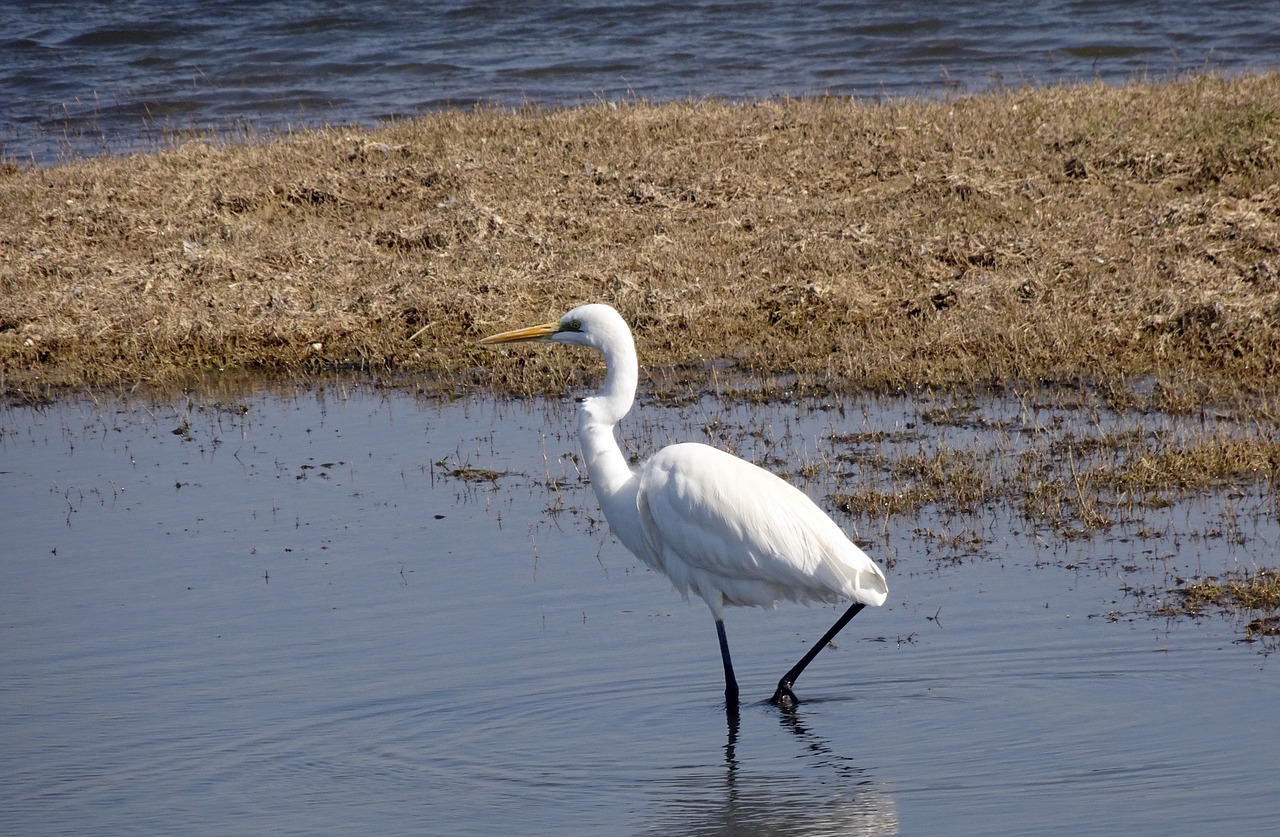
x: 196, y: 66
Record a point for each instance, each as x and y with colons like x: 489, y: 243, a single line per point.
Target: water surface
x: 83, y: 78
x: 283, y: 614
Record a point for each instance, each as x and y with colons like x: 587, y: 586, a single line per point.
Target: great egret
x: 716, y: 525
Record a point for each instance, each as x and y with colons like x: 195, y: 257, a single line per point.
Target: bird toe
x: 784, y: 698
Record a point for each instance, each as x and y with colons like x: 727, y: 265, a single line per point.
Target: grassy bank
x: 1123, y: 237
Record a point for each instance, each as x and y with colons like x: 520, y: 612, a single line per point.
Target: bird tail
x: 863, y: 580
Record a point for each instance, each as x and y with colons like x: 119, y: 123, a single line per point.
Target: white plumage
x: 717, y: 526
x: 735, y: 534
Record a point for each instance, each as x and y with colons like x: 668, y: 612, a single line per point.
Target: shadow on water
x: 342, y: 610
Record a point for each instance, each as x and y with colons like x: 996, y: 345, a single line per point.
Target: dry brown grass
x: 1126, y: 237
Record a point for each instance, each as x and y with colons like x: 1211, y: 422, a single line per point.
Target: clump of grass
x: 884, y: 504
x: 955, y: 481
x: 1209, y: 461
x: 475, y: 474
x: 1256, y: 591
x: 1122, y: 237
x: 1081, y: 483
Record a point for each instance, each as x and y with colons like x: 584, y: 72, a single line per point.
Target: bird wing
x: 722, y: 525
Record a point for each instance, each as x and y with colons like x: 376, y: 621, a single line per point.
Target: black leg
x: 785, y: 698
x: 730, y: 682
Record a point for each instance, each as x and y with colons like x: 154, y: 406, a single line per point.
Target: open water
x: 315, y: 613
x: 89, y: 77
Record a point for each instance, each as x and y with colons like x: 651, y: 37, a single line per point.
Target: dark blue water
x: 84, y: 78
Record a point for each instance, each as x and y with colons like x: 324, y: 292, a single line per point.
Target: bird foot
x: 784, y: 698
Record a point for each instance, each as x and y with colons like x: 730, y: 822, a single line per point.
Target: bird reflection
x: 733, y: 718
x: 830, y: 796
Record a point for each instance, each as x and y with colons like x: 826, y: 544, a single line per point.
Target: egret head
x: 593, y: 325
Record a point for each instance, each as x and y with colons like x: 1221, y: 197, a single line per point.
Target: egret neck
x: 611, y: 476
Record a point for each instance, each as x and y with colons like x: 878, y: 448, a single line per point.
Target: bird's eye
x: 574, y: 325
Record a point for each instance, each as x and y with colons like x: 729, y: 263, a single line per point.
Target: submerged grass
x: 1118, y: 493
x: 1257, y: 591
x: 1123, y: 237
x: 1253, y: 596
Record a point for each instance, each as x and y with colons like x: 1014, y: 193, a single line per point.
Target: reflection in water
x: 832, y: 796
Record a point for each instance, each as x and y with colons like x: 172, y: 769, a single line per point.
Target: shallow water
x: 284, y: 614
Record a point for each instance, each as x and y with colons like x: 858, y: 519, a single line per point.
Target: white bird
x: 716, y: 525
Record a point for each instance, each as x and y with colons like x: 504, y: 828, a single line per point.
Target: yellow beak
x: 538, y: 332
